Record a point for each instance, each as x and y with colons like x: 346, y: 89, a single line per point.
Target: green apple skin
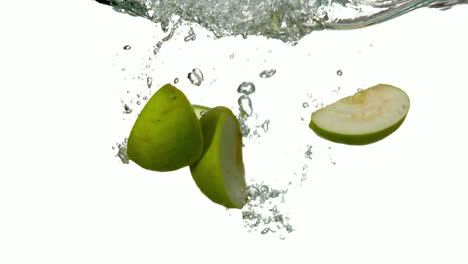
x: 362, y: 138
x: 220, y: 172
x: 200, y: 110
x: 167, y: 134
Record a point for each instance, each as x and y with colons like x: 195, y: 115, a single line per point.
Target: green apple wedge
x: 200, y: 110
x: 363, y: 118
x: 220, y: 172
x: 167, y: 134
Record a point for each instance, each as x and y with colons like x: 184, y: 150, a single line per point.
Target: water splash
x: 287, y: 20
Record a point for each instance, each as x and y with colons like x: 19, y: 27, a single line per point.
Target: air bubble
x: 191, y: 35
x: 127, y: 109
x: 265, y: 125
x: 196, y: 77
x: 245, y: 105
x: 149, y: 82
x: 246, y: 88
x: 267, y: 73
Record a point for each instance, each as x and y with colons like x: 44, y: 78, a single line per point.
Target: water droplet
x: 305, y: 104
x: 359, y: 89
x: 231, y: 56
x: 282, y: 237
x: 138, y: 103
x: 176, y: 80
x: 127, y: 47
x: 127, y: 109
x: 245, y: 105
x: 246, y: 88
x: 309, y: 95
x: 145, y: 97
x: 202, y: 113
x: 265, y: 125
x: 149, y: 82
x: 196, y: 77
x: 191, y: 35
x: 267, y: 73
x: 339, y: 72
x: 123, y: 69
x: 147, y: 66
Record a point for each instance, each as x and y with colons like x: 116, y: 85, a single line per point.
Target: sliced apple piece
x: 167, y: 134
x: 220, y: 172
x: 366, y: 117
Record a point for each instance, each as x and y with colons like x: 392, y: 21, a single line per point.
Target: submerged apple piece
x: 200, y: 110
x: 220, y: 172
x: 363, y: 118
x: 167, y: 134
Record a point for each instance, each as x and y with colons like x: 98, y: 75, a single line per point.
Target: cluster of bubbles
x: 262, y: 213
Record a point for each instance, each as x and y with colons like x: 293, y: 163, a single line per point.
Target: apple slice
x: 220, y: 172
x: 167, y: 134
x: 366, y: 117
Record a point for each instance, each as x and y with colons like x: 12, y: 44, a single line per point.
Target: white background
x: 65, y: 198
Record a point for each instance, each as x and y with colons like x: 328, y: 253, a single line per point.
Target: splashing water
x: 287, y: 20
